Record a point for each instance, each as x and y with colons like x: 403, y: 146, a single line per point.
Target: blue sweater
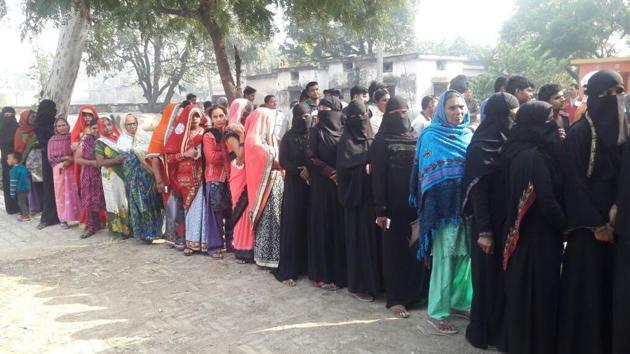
x: 20, y: 180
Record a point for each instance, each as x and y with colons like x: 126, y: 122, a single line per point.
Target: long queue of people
x: 470, y: 217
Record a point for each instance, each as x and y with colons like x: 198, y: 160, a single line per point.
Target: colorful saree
x: 113, y: 183
x: 65, y: 182
x: 265, y: 186
x: 243, y: 239
x: 186, y: 175
x: 92, y: 199
x: 143, y: 200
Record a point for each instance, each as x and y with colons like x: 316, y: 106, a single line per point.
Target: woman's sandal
x: 289, y: 283
x: 65, y: 226
x: 217, y: 255
x: 243, y: 261
x: 461, y: 314
x: 87, y: 234
x: 41, y: 226
x: 324, y: 286
x: 442, y: 326
x: 188, y: 252
x: 400, y: 311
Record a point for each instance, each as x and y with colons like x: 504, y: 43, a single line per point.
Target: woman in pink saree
x: 265, y: 186
x: 60, y: 156
x: 243, y: 238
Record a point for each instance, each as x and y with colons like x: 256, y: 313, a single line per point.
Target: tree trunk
x: 220, y: 53
x: 65, y: 67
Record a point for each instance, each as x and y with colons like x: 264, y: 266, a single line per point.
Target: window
x: 441, y: 65
x: 388, y: 67
x: 347, y: 67
x: 295, y: 76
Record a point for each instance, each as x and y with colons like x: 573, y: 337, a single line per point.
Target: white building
x: 412, y: 76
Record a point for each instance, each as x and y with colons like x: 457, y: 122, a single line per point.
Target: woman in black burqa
x: 8, y: 126
x: 363, y: 246
x: 293, y: 224
x: 621, y: 285
x: 485, y: 203
x: 594, y: 148
x: 391, y: 157
x: 535, y: 222
x: 326, y: 241
x: 44, y: 130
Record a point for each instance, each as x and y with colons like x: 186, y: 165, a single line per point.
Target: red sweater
x: 217, y: 162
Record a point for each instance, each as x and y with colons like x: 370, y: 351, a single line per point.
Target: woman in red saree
x: 80, y: 129
x: 265, y: 186
x: 185, y: 171
x: 243, y: 239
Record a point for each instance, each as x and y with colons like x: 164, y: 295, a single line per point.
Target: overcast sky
x: 436, y: 20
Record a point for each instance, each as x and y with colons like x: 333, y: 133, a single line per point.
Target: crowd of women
x: 473, y: 225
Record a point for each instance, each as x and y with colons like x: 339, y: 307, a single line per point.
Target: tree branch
x: 159, y: 7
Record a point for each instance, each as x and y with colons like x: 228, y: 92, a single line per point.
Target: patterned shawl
x: 437, y: 177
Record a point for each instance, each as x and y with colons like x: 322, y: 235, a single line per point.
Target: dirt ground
x: 60, y: 294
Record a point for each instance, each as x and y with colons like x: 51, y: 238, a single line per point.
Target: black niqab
x: 45, y: 121
x: 396, y: 126
x: 605, y: 111
x: 8, y: 125
x: 330, y: 122
x: 357, y: 137
x: 299, y: 125
x: 489, y: 138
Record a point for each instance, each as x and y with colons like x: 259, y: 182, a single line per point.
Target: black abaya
x: 406, y: 280
x: 294, y: 221
x: 8, y: 126
x: 532, y: 278
x: 586, y: 292
x: 326, y: 242
x: 44, y: 129
x: 621, y: 285
x: 363, y: 249
x: 486, y: 206
x: 363, y: 246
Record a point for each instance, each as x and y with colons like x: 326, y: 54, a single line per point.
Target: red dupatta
x: 23, y: 133
x: 101, y: 130
x: 80, y: 125
x: 260, y: 153
x: 184, y: 173
x: 236, y: 110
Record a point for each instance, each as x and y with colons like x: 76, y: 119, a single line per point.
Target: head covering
x: 180, y: 135
x: 45, y: 121
x: 8, y: 126
x: 259, y: 156
x: 236, y: 110
x: 531, y: 134
x: 357, y: 137
x: 488, y: 139
x: 138, y: 141
x: 115, y: 134
x: 159, y: 133
x: 330, y: 121
x: 81, y: 123
x: 607, y: 113
x: 440, y: 159
x: 24, y: 132
x: 59, y: 145
x: 299, y: 125
x: 396, y: 126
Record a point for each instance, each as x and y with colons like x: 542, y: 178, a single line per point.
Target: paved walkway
x: 60, y: 294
